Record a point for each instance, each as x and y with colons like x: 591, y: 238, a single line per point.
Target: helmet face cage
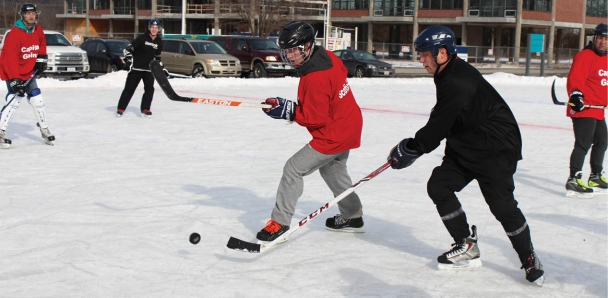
x: 434, y: 38
x: 298, y: 55
x: 297, y: 43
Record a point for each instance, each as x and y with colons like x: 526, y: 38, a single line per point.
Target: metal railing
x: 476, y: 54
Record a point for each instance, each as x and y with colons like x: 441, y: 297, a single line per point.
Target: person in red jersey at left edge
x: 588, y: 88
x: 326, y: 106
x: 24, y: 52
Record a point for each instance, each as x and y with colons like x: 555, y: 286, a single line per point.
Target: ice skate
x: 4, y: 142
x: 146, y: 114
x: 119, y: 113
x: 340, y: 224
x: 534, y: 270
x: 598, y: 182
x: 49, y: 138
x: 463, y: 255
x: 272, y: 231
x: 576, y: 188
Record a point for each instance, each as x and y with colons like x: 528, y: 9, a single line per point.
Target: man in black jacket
x: 483, y: 143
x: 144, y: 48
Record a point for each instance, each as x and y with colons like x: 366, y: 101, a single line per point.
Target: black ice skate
x: 463, y: 255
x: 272, y: 231
x: 340, y: 224
x: 146, y: 114
x: 534, y: 270
x: 598, y: 182
x: 576, y: 188
x: 4, y: 142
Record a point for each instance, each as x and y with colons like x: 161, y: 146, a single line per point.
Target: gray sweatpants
x: 333, y: 171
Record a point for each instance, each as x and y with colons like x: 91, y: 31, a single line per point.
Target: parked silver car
x: 199, y: 58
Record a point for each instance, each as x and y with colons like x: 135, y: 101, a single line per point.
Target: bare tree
x: 263, y: 17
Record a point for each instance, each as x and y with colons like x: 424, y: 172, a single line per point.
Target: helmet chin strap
x: 439, y: 65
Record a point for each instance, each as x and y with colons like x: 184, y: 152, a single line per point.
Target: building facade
x: 393, y: 24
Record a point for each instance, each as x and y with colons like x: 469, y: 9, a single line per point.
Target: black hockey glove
x: 128, y: 57
x: 17, y: 87
x: 402, y: 156
x: 164, y: 69
x: 576, y: 101
x: 41, y: 62
x: 281, y: 108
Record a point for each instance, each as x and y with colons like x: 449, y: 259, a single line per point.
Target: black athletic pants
x: 496, y: 186
x: 588, y: 132
x: 131, y: 84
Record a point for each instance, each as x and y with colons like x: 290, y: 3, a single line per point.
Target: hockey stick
x: 237, y: 244
x: 557, y: 102
x: 161, y: 79
x: 554, y: 97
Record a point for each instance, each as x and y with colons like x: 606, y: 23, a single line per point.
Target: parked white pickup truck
x: 65, y: 59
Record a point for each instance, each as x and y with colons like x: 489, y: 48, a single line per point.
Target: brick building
x: 394, y: 23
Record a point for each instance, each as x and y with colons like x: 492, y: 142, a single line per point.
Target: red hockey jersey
x: 326, y: 105
x: 589, y: 75
x: 18, y: 57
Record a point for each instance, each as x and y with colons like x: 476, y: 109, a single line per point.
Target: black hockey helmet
x: 27, y: 7
x: 297, y: 42
x: 154, y: 22
x: 296, y: 34
x: 601, y: 29
x: 435, y: 37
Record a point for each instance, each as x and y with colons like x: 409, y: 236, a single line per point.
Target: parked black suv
x: 105, y: 55
x: 260, y: 56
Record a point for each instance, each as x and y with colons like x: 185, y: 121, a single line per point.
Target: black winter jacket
x: 145, y: 49
x: 480, y: 130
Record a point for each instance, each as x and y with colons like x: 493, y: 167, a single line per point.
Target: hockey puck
x: 195, y: 238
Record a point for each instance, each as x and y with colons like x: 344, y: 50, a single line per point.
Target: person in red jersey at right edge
x: 327, y: 108
x: 588, y: 88
x: 24, y: 51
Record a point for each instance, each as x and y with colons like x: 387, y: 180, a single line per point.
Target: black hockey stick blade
x: 238, y: 244
x: 163, y: 82
x: 554, y: 97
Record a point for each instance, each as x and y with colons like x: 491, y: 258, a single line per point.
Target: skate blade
x: 5, y: 146
x: 578, y: 195
x: 50, y: 143
x: 146, y: 116
x: 600, y: 190
x: 462, y: 265
x: 540, y: 281
x: 279, y: 241
x: 118, y: 115
x: 347, y: 230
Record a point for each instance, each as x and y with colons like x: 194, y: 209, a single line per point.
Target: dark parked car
x: 260, y: 56
x: 105, y: 55
x: 363, y: 64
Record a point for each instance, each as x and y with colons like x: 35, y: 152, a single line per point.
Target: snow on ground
x: 107, y: 211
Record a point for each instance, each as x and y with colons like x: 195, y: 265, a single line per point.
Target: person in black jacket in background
x: 483, y: 143
x: 144, y: 48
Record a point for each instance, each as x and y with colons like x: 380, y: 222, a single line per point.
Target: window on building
x: 350, y: 4
x: 597, y: 8
x: 76, y: 6
x: 99, y: 4
x: 393, y: 7
x: 494, y: 8
x: 537, y: 5
x: 440, y: 4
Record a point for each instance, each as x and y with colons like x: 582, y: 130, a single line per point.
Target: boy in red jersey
x: 588, y: 86
x: 327, y: 108
x: 24, y: 51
